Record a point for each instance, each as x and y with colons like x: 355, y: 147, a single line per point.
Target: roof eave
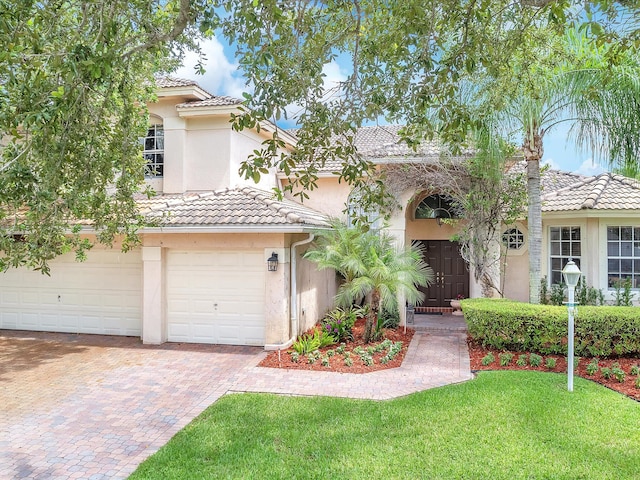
x: 208, y: 110
x: 193, y: 92
x: 253, y: 229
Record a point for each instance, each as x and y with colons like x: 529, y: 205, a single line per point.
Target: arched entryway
x: 427, y: 228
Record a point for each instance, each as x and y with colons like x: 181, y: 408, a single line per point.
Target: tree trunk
x: 533, y: 154
x: 374, y: 308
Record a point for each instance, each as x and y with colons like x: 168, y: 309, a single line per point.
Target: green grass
x: 503, y: 425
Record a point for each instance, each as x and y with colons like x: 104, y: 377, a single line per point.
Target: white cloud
x: 551, y: 163
x: 589, y: 167
x: 222, y: 76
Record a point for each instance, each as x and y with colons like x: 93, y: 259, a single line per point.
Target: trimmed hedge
x: 599, y: 331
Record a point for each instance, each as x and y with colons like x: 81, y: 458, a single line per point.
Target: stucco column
x: 398, y: 230
x: 277, y: 293
x: 153, y: 329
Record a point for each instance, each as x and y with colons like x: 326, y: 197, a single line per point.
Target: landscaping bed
x: 336, y: 362
x: 627, y: 387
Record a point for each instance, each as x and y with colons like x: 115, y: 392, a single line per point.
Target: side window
x: 154, y: 151
x: 564, y: 244
x: 623, y: 255
x: 356, y: 211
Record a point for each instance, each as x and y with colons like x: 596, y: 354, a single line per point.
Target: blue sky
x: 222, y: 77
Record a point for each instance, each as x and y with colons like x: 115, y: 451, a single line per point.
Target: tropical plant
x: 373, y: 269
x: 570, y: 82
x: 339, y: 323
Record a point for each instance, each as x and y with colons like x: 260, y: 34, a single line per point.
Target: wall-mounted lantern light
x: 272, y: 262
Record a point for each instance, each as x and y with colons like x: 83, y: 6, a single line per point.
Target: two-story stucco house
x: 203, y: 274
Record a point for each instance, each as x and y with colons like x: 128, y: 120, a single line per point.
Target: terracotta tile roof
x: 551, y: 179
x: 382, y: 144
x: 606, y: 191
x: 214, y: 101
x: 240, y: 207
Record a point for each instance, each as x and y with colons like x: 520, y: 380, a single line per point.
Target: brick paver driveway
x: 85, y: 406
x: 94, y: 407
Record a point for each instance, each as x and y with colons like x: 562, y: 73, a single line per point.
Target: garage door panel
x: 198, y: 281
x: 101, y: 295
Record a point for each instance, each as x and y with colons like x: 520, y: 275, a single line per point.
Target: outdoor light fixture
x: 571, y: 274
x: 272, y: 262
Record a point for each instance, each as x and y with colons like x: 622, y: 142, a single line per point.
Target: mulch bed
x: 628, y: 388
x: 336, y: 363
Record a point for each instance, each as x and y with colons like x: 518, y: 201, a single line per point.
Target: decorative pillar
x: 153, y: 325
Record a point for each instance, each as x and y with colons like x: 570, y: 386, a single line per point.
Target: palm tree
x: 569, y: 82
x: 373, y: 269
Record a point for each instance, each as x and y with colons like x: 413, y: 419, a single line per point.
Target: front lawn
x: 503, y: 425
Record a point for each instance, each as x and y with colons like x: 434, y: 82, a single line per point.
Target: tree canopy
x: 75, y: 77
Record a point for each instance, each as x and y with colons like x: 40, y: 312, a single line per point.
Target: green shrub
x: 312, y: 341
x: 635, y: 370
x: 508, y: 325
x: 586, y: 295
x: 550, y: 363
x: 522, y: 360
x: 622, y: 293
x: 606, y: 373
x: 557, y: 294
x: 619, y: 374
x: 535, y: 360
x: 592, y: 367
x: 505, y: 359
x: 389, y: 319
x: 637, y: 382
x: 488, y: 359
x: 339, y: 323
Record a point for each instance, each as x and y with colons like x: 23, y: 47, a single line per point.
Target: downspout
x: 293, y: 314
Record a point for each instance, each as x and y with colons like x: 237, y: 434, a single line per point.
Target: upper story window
x: 623, y: 255
x: 356, y: 211
x: 564, y: 244
x: 436, y: 206
x: 154, y: 151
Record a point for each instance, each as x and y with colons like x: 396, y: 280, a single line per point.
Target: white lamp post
x: 571, y: 274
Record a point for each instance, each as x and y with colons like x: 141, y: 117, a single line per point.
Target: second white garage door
x: 216, y: 297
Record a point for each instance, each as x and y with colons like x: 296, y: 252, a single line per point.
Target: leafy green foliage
x: 592, y: 367
x: 550, y: 363
x: 310, y: 342
x: 488, y: 359
x: 586, y: 295
x: 599, y: 331
x: 635, y: 370
x: 339, y: 323
x: 372, y: 268
x: 535, y: 360
x: 74, y: 81
x: 623, y: 296
x: 505, y: 358
x: 522, y: 360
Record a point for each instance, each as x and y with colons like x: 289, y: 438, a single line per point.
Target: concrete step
x: 442, y: 324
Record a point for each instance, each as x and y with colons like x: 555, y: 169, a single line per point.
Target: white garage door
x: 216, y: 297
x: 101, y: 295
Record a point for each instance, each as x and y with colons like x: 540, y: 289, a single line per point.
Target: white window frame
x: 574, y: 254
x: 355, y: 211
x: 153, y: 151
x: 628, y: 251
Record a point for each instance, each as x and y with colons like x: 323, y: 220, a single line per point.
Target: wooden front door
x: 451, y: 277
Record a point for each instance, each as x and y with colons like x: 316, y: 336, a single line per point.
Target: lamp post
x: 571, y: 274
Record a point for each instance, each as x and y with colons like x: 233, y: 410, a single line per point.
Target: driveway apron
x: 94, y: 407
x: 84, y: 406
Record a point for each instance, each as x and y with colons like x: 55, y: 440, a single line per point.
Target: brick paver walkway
x: 94, y: 407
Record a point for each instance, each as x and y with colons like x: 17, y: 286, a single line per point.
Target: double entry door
x: 451, y: 276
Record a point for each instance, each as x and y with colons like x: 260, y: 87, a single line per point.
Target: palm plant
x: 571, y: 82
x: 373, y: 268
